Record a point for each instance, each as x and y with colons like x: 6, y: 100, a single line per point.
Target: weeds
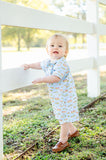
x: 28, y: 117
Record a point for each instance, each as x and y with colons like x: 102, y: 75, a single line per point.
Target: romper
x: 63, y: 93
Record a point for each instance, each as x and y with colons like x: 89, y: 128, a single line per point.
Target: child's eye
x: 60, y: 46
x: 52, y: 45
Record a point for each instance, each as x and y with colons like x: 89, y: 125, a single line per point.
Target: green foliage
x: 26, y: 37
x: 28, y: 117
x: 18, y: 36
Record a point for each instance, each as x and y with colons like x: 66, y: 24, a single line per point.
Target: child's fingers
x: 34, y: 82
x: 22, y: 65
x: 25, y: 66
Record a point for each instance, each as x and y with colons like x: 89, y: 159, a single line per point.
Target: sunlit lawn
x: 28, y: 117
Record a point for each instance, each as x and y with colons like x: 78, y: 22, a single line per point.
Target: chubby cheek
x: 62, y: 52
x: 48, y: 51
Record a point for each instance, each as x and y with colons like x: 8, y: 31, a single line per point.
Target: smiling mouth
x: 55, y: 52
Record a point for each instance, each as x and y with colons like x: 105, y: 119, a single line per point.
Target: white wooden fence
x: 14, y: 15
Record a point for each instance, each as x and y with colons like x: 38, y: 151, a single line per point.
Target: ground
x: 28, y: 118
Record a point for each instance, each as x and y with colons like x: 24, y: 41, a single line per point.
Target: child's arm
x: 47, y: 79
x: 32, y: 65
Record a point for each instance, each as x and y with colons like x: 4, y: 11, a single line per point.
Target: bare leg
x: 64, y: 132
x: 72, y: 128
x: 66, y: 128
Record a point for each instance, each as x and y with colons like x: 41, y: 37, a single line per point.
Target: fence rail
x: 14, y: 15
x: 102, y: 2
x: 26, y: 17
x: 13, y: 79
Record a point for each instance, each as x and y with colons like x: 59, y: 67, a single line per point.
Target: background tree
x: 73, y: 9
x: 76, y: 9
x: 28, y: 36
x: 12, y: 33
x: 25, y: 34
x: 36, y: 37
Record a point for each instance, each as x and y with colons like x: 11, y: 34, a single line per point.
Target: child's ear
x: 66, y: 52
x: 47, y: 49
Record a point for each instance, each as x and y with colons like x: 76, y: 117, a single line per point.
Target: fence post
x: 1, y: 116
x: 93, y: 77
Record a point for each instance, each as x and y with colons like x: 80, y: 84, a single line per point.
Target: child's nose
x: 55, y: 47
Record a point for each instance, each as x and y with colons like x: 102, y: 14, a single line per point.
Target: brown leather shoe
x: 60, y: 146
x: 75, y: 134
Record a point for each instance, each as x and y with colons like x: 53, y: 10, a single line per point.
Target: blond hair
x: 62, y: 36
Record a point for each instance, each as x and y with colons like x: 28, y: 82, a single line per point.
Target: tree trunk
x: 19, y: 39
x: 28, y: 40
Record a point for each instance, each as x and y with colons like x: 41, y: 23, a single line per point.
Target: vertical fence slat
x: 1, y: 115
x: 93, y: 77
x: 1, y: 129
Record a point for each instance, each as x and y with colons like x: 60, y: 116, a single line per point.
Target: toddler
x: 61, y: 88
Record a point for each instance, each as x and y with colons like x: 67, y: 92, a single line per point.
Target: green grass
x: 28, y: 117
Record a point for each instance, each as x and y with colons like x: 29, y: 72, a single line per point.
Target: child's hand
x: 26, y: 66
x: 39, y: 80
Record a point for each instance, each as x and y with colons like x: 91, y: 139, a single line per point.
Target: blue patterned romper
x: 63, y: 93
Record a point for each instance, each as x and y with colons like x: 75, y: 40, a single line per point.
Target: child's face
x: 56, y: 48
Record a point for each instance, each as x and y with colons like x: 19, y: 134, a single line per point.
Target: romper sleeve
x: 61, y: 69
x: 44, y: 65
